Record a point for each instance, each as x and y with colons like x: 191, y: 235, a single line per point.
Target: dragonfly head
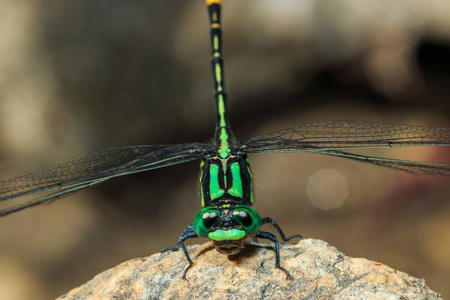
x: 227, y: 226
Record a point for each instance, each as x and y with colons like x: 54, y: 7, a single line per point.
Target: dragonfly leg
x: 269, y: 236
x: 188, y: 233
x: 278, y: 228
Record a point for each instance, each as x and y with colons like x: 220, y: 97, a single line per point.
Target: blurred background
x: 81, y: 76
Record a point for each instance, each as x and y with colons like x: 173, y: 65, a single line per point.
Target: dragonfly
x: 227, y: 217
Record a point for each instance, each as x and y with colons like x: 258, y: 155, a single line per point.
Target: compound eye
x: 248, y: 218
x: 243, y: 217
x: 204, y: 220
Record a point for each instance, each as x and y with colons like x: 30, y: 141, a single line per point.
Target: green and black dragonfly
x: 227, y: 217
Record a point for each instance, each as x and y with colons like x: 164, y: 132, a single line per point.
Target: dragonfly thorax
x: 226, y: 181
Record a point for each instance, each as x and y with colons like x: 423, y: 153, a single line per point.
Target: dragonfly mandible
x: 227, y: 217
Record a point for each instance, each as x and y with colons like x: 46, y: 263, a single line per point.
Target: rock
x: 319, y: 271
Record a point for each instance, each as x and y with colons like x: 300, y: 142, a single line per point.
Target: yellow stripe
x: 215, y: 25
x: 218, y: 77
x: 209, y: 2
x: 216, y: 42
x: 221, y: 111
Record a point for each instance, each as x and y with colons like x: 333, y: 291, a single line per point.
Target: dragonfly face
x: 227, y: 226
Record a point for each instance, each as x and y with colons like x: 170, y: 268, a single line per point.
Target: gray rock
x: 319, y: 271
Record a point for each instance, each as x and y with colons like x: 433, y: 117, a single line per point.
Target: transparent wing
x: 413, y: 167
x: 94, y: 169
x: 332, y: 136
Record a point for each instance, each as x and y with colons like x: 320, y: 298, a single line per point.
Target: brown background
x: 81, y: 76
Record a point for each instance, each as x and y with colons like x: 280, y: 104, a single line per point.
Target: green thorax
x: 226, y: 181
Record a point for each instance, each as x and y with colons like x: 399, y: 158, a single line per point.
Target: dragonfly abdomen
x: 224, y: 136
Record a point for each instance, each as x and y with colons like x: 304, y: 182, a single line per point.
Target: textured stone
x: 319, y: 271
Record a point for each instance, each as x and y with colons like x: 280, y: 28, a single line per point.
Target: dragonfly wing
x: 51, y: 197
x: 330, y: 137
x: 98, y: 167
x: 334, y: 135
x: 413, y: 167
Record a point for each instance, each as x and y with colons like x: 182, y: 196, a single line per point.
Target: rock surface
x: 319, y: 271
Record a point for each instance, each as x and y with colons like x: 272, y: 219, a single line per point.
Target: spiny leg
x: 188, y: 233
x: 273, y: 238
x: 278, y: 228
